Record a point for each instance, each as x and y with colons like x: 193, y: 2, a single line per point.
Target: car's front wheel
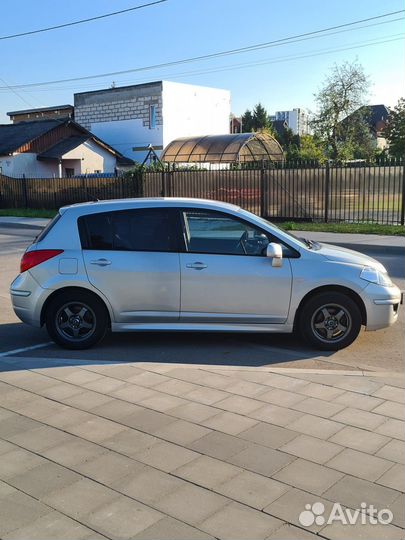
x: 76, y: 320
x: 330, y: 321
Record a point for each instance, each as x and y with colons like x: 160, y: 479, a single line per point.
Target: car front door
x: 131, y: 256
x: 225, y: 274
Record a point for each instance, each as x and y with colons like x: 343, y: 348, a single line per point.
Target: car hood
x: 349, y: 256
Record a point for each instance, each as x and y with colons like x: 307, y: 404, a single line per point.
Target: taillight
x: 33, y: 258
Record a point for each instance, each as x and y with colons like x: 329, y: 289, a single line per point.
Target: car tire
x: 76, y: 319
x: 330, y: 321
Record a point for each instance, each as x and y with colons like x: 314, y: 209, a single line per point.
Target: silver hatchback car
x: 190, y: 264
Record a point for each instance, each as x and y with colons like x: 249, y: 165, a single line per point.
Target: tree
x: 395, y: 130
x: 258, y: 120
x: 344, y: 92
x: 311, y: 149
x: 247, y: 121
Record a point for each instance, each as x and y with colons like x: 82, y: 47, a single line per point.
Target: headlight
x: 375, y: 276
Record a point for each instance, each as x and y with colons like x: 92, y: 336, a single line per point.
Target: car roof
x: 123, y: 204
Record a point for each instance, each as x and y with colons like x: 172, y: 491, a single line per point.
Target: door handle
x: 197, y: 266
x: 101, y: 262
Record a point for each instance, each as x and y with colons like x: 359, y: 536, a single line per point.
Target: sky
x: 281, y: 77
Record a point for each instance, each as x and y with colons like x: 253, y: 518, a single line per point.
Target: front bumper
x: 382, y: 305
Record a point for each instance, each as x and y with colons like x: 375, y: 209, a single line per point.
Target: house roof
x: 238, y: 147
x: 13, y: 136
x: 62, y: 147
x: 41, y: 109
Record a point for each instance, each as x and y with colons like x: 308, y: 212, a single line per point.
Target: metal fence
x: 352, y: 193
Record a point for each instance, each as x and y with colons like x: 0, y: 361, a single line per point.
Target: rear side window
x: 47, y: 229
x: 148, y: 229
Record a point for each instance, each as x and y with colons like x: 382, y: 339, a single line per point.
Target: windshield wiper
x: 308, y: 242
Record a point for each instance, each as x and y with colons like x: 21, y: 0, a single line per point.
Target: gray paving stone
x: 117, y: 410
x: 104, y: 385
x: 289, y: 506
x: 268, y: 435
x: 281, y: 397
x: 163, y: 402
x: 193, y: 412
x: 358, y: 401
x: 147, y: 420
x: 96, y: 429
x: 61, y: 391
x: 273, y: 414
x: 394, y: 451
x: 391, y: 409
x: 148, y: 485
x: 359, y: 439
x: 318, y: 407
x: 147, y: 378
x: 315, y: 426
x: 51, y: 526
x: 360, y: 464
x: 308, y: 476
x: 6, y: 447
x: 133, y: 393
x: 351, y: 492
x: 68, y: 417
x: 337, y: 531
x: 207, y: 471
x: 80, y: 498
x: 398, y: 510
x: 229, y: 423
x: 394, y: 478
x: 109, y: 468
x: 12, y: 425
x: 290, y: 532
x: 321, y: 391
x: 166, y: 456
x: 219, y: 445
x: 261, y: 460
x: 392, y: 428
x: 175, y: 387
x: 172, y: 529
x: 207, y: 396
x: 122, y: 518
x: 78, y: 376
x: 237, y: 522
x: 18, y: 510
x: 87, y: 400
x: 245, y: 388
x: 44, y: 478
x: 181, y: 432
x: 40, y: 438
x: 239, y: 404
x: 359, y: 418
x: 73, y: 452
x: 391, y: 392
x: 18, y: 461
x: 191, y: 504
x: 252, y: 489
x: 311, y: 448
x: 130, y: 442
x: 41, y: 409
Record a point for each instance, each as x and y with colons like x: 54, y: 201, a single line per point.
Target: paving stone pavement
x: 164, y: 451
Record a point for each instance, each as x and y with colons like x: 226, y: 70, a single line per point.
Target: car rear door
x: 131, y: 257
x: 225, y: 275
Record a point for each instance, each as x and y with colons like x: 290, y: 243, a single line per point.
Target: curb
x: 32, y: 226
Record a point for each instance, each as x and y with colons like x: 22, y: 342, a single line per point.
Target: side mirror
x: 275, y: 252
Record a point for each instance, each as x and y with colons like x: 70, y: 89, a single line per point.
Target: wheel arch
x: 63, y: 290
x: 333, y: 288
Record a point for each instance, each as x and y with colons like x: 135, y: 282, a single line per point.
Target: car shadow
x: 225, y: 349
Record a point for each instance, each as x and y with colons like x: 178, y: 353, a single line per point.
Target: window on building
x: 69, y: 172
x: 152, y: 116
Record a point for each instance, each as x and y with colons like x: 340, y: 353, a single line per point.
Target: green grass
x: 357, y: 228
x: 27, y: 212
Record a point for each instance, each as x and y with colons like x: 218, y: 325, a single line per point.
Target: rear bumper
x: 27, y: 298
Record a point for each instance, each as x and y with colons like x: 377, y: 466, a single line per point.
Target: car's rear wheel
x: 76, y: 319
x: 330, y: 321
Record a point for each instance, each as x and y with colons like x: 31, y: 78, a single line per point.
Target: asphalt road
x: 382, y: 350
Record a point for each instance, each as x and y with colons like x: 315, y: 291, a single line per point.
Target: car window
x: 45, y: 231
x: 214, y: 232
x: 146, y: 229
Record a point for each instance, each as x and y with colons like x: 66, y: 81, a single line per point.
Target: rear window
x: 41, y: 236
x: 149, y: 229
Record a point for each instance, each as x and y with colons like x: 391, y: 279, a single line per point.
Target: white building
x: 297, y: 120
x: 131, y: 118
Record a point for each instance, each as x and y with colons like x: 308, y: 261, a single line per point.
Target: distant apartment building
x: 297, y: 120
x: 58, y: 112
x: 134, y: 118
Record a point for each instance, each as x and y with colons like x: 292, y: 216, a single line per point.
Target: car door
x: 225, y: 275
x: 131, y: 256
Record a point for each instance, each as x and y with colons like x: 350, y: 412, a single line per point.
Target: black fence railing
x: 353, y: 192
